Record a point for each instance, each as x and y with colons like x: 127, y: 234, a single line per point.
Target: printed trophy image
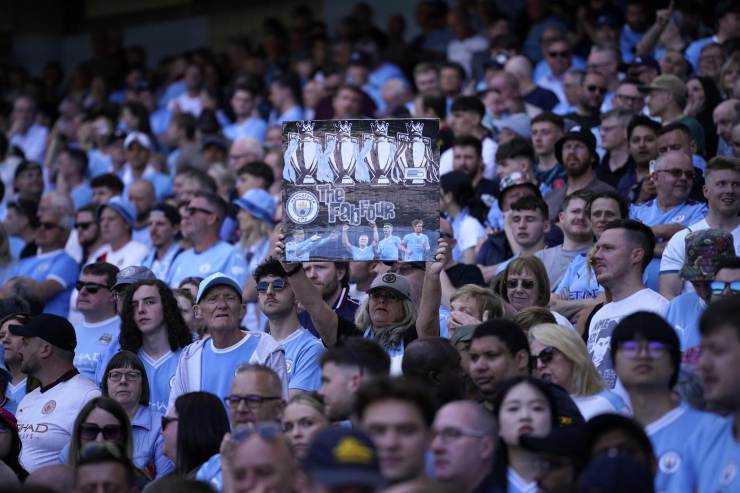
x: 303, y: 153
x: 380, y: 158
x: 415, y: 153
x: 344, y: 158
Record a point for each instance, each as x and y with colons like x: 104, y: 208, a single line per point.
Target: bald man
x: 464, y: 443
x: 260, y: 460
x: 436, y: 362
x: 521, y: 68
x: 245, y: 150
x: 726, y: 115
x: 56, y: 477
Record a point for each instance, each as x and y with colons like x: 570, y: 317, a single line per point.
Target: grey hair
x: 276, y: 383
x: 363, y: 322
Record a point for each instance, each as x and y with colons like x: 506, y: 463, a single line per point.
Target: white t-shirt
x: 132, y: 253
x: 603, y: 323
x: 45, y: 420
x: 187, y: 104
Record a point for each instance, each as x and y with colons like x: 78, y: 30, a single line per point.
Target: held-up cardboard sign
x: 361, y: 189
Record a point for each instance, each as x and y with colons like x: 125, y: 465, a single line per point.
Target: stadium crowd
x: 575, y: 329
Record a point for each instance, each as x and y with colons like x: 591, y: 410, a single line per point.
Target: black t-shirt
x: 462, y: 274
x: 487, y: 191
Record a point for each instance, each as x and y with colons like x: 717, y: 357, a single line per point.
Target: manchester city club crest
x: 669, y: 462
x: 302, y: 207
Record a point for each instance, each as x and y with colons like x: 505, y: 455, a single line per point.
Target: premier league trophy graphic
x: 302, y: 154
x: 382, y: 151
x: 344, y: 158
x: 415, y: 154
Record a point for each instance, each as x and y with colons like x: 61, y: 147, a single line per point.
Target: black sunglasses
x: 90, y: 431
x: 600, y: 90
x: 193, y: 210
x: 559, y: 54
x: 546, y: 355
x: 277, y: 285
x: 83, y: 225
x: 91, y: 287
x: 526, y: 283
x: 49, y: 226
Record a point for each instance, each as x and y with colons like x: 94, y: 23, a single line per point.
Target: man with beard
x: 46, y: 415
x: 577, y: 151
x: 671, y: 210
x: 88, y: 231
x: 591, y: 96
x: 468, y: 158
x: 164, y: 226
x: 721, y: 190
x: 642, y: 135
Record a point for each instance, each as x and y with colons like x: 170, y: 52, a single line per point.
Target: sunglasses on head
x: 277, y: 285
x: 90, y: 431
x: 719, y: 287
x: 90, y: 287
x: 546, y: 355
x: 267, y: 431
x: 600, y: 90
x: 514, y: 283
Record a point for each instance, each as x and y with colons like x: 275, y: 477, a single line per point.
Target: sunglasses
x: 600, y: 90
x: 719, y: 287
x: 384, y: 295
x: 546, y: 355
x: 49, y: 226
x: 558, y: 54
x: 194, y: 210
x: 130, y: 376
x: 90, y: 431
x: 252, y: 401
x: 83, y: 225
x: 91, y: 287
x: 165, y: 420
x: 676, y: 173
x: 654, y: 349
x: 277, y: 285
x: 267, y: 431
x: 514, y: 283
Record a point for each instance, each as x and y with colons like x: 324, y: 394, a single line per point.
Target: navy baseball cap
x: 132, y: 274
x: 53, y: 329
x: 340, y: 456
x: 217, y: 279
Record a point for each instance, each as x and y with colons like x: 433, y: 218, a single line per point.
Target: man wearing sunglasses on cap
x: 100, y: 325
x: 47, y: 414
x: 277, y: 302
x: 647, y: 358
x: 51, y: 273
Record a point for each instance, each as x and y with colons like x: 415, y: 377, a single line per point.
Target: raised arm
x: 345, y: 238
x: 324, y: 319
x: 427, y: 321
x: 376, y: 237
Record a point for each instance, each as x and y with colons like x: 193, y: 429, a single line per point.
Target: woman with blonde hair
x: 304, y: 417
x: 560, y: 357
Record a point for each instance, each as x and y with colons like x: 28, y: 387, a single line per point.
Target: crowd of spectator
x: 577, y: 325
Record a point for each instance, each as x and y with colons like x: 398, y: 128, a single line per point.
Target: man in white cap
x: 138, y: 149
x: 116, y: 219
x: 210, y: 364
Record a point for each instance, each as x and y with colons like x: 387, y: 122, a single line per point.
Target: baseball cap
x: 518, y: 123
x: 563, y: 442
x: 669, y: 83
x: 394, y: 282
x: 123, y: 207
x: 703, y: 251
x: 463, y: 333
x: 516, y: 179
x: 216, y: 141
x: 140, y: 138
x: 339, y: 456
x: 217, y: 279
x: 615, y: 472
x: 132, y: 274
x: 259, y: 203
x: 644, y: 61
x: 53, y: 329
x: 576, y: 133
